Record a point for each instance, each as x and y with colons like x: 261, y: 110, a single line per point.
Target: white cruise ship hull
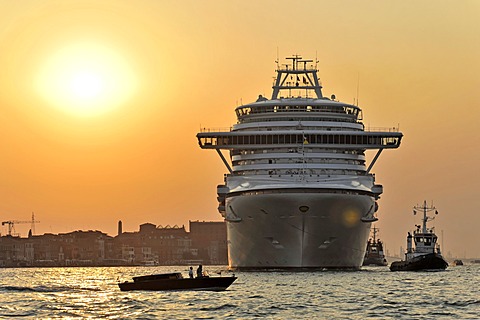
x: 297, y: 229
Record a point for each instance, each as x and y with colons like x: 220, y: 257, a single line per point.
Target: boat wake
x: 216, y: 308
x: 462, y: 303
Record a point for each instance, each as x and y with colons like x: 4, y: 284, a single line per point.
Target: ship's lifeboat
x: 222, y: 191
x: 377, y: 190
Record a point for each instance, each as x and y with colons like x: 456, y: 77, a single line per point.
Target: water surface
x: 374, y: 292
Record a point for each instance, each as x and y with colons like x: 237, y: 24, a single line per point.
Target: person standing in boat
x: 199, y: 271
x: 190, y: 273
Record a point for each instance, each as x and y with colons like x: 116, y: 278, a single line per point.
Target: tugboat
x: 374, y: 255
x: 426, y: 254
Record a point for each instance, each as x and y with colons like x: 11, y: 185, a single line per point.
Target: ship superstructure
x: 298, y: 192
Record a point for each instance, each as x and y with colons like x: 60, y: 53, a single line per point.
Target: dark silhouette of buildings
x: 205, y: 243
x: 211, y: 240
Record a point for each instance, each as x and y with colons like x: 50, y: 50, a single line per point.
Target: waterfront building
x: 150, y: 245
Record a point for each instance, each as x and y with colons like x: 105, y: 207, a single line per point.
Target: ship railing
x: 367, y: 129
x: 299, y: 69
x: 222, y: 129
x: 382, y: 129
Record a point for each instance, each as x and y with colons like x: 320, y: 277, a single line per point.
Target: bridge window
x: 332, y: 138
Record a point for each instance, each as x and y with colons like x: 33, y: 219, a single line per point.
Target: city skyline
x: 389, y: 252
x: 101, y: 103
x: 205, y: 242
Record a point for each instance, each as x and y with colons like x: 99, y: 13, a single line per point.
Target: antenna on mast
x: 358, y: 85
x: 425, y: 208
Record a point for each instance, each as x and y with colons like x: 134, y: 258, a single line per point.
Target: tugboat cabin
x: 424, y: 242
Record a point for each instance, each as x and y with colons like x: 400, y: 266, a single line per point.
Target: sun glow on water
x: 86, y: 79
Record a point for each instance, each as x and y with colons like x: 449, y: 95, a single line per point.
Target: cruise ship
x: 299, y: 193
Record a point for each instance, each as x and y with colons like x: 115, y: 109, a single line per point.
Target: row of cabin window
x: 298, y: 160
x: 265, y: 109
x: 298, y: 138
x: 293, y: 150
x: 319, y: 173
x: 427, y: 240
x: 296, y: 119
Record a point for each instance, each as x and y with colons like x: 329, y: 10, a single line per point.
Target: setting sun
x: 86, y: 79
x: 86, y: 85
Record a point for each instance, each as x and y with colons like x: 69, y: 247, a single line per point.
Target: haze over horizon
x: 101, y: 102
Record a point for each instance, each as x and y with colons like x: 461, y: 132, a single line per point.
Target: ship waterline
x: 298, y: 230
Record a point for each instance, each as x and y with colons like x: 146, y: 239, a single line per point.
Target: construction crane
x: 11, y: 224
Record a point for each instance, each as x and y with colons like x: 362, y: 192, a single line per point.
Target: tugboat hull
x: 375, y: 261
x: 431, y: 261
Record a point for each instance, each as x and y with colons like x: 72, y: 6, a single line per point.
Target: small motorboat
x: 426, y: 254
x: 175, y: 281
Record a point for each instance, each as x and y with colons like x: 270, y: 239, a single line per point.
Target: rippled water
x: 74, y: 293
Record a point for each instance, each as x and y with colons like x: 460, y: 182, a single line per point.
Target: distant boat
x: 458, y: 262
x: 175, y: 281
x: 426, y: 253
x: 374, y: 255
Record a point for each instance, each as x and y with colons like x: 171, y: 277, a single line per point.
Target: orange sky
x: 173, y: 67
